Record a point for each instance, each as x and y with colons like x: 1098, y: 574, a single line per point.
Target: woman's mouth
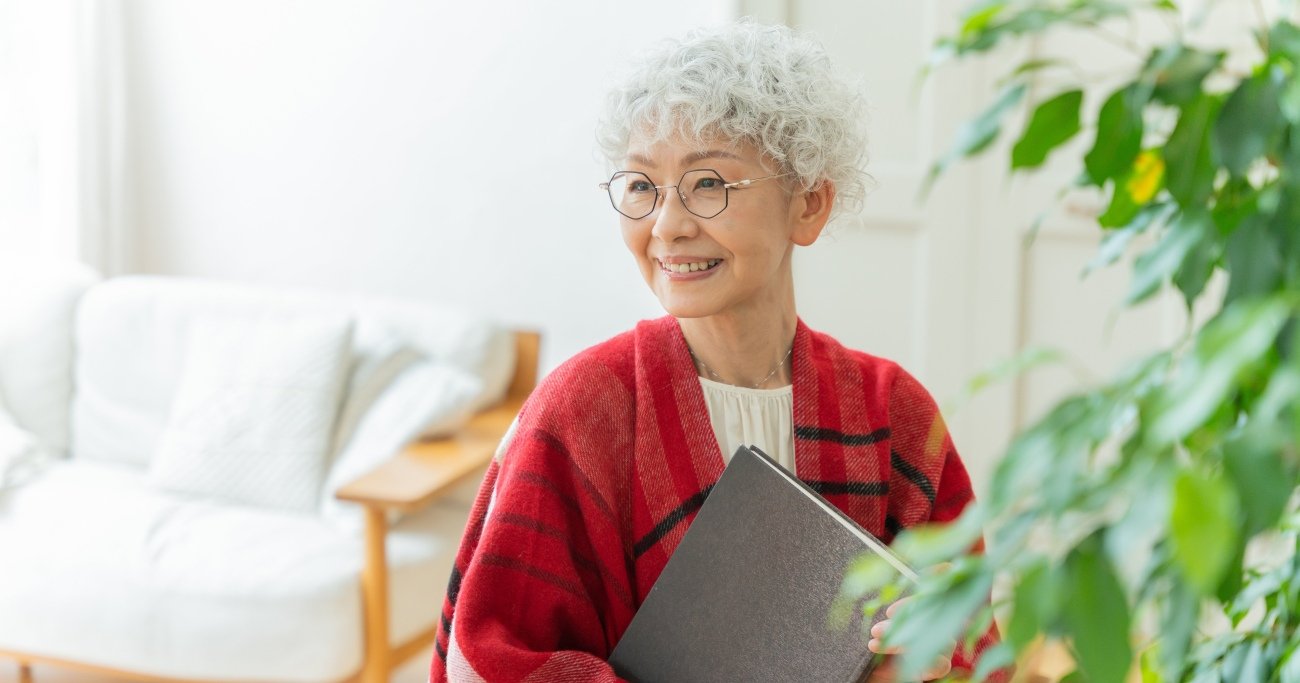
x: 689, y: 267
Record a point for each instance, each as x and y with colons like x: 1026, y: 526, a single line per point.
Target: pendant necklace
x: 760, y: 383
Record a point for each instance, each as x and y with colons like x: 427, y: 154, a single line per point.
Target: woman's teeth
x: 690, y: 267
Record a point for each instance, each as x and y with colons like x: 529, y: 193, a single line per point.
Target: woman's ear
x: 811, y: 214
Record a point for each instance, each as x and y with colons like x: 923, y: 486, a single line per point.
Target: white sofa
x: 110, y: 562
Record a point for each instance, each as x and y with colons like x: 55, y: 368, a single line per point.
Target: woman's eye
x: 640, y: 186
x: 708, y: 183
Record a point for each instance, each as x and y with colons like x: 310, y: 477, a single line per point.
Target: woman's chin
x: 678, y: 308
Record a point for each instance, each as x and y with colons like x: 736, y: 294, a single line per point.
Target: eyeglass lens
x: 703, y: 193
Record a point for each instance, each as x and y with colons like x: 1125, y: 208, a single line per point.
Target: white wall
x: 421, y: 149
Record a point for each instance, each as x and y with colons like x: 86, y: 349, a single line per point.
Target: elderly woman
x: 733, y: 146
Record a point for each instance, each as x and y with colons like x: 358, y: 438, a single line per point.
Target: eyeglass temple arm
x: 749, y: 181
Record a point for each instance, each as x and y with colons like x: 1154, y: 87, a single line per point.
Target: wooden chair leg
x: 374, y: 587
x: 24, y: 672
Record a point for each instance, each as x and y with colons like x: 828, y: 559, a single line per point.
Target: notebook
x: 748, y: 593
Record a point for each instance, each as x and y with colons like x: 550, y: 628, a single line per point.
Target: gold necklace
x: 718, y: 377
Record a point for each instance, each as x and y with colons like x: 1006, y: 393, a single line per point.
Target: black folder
x: 748, y: 592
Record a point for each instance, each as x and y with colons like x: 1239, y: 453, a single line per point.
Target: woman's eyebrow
x: 688, y: 159
x: 708, y: 154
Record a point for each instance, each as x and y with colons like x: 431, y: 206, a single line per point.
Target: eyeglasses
x: 703, y: 192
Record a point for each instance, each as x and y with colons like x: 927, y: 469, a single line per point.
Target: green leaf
x: 1225, y: 346
x: 1033, y: 65
x: 1231, y: 582
x: 977, y: 134
x: 1160, y: 262
x: 1178, y: 617
x: 927, y: 622
x: 1289, y: 101
x: 1289, y: 671
x: 1189, y: 154
x: 1284, y: 41
x: 1254, y: 464
x: 1051, y: 125
x: 1119, y: 136
x: 1236, y: 201
x: 994, y: 658
x: 1247, y: 123
x: 1252, y: 668
x: 1253, y: 259
x: 1134, y: 190
x: 929, y: 544
x: 1097, y: 614
x: 1037, y: 600
x: 1177, y: 71
x: 978, y: 17
x: 1255, y: 590
x: 1115, y: 241
x: 868, y: 573
x: 1199, y: 263
x: 1122, y: 209
x: 1203, y: 524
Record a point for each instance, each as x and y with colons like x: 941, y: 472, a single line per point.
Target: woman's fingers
x: 887, y: 672
x: 876, y: 644
x: 942, y: 666
x: 893, y: 607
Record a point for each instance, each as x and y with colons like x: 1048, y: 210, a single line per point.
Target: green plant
x: 1190, y: 454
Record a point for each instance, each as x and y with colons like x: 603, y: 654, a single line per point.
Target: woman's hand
x: 887, y: 672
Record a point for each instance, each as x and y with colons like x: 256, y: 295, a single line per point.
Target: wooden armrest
x: 425, y: 470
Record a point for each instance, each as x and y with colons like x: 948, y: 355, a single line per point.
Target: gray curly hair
x: 747, y: 82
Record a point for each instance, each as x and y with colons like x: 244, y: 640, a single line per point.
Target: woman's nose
x: 673, y: 221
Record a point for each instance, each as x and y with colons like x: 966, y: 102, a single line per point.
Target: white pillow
x: 369, y: 376
x: 38, y: 303
x: 254, y: 411
x: 21, y: 455
x: 428, y: 398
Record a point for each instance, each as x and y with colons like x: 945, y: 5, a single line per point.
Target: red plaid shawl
x: 606, y: 466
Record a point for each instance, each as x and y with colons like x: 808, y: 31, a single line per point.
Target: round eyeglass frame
x: 726, y: 188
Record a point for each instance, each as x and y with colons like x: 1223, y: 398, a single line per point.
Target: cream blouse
x: 759, y: 417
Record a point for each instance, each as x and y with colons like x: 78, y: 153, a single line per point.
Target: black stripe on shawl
x: 453, y: 586
x: 824, y: 434
x: 581, y: 477
x: 892, y: 527
x: 442, y: 654
x: 579, y: 560
x: 672, y: 520
x: 857, y: 488
x: 913, y: 475
x: 535, y: 572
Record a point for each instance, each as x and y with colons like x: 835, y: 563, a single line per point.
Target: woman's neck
x: 748, y: 347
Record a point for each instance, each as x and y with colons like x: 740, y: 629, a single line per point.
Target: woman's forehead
x: 678, y: 151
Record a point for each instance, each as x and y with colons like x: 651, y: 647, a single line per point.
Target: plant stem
x: 1116, y: 39
x: 1263, y: 25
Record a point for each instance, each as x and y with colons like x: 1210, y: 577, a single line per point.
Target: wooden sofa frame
x: 408, y: 482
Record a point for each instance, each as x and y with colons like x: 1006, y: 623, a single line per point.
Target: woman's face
x: 738, y: 258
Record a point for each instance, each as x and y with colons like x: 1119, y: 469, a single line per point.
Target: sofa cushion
x: 131, y: 334
x: 21, y: 454
x: 428, y: 397
x: 116, y: 574
x: 252, y: 418
x: 38, y: 302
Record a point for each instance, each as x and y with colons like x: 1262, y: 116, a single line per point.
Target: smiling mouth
x: 689, y: 267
